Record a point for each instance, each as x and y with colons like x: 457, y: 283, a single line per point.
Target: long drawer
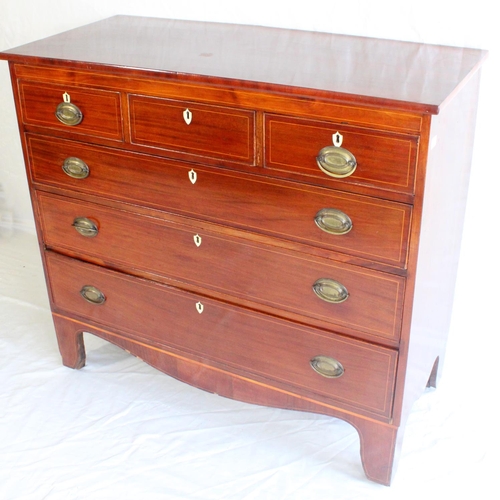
x: 243, y: 340
x: 343, y: 296
x: 355, y: 225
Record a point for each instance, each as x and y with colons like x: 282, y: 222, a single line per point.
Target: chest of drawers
x: 270, y: 215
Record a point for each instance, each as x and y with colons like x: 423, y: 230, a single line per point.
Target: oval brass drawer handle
x: 75, y: 168
x: 333, y: 221
x: 330, y: 290
x: 327, y: 367
x: 69, y: 114
x: 336, y: 161
x: 93, y: 295
x: 86, y: 227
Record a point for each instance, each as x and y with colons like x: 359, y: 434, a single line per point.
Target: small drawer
x: 334, y: 295
x: 243, y: 341
x: 75, y: 110
x: 363, y: 157
x: 193, y: 130
x: 306, y: 215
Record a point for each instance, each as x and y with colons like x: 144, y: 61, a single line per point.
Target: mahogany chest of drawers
x: 270, y: 215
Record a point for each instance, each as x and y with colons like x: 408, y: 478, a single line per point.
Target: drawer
x: 192, y: 129
x: 380, y: 228
x: 100, y: 109
x: 245, y: 341
x: 382, y: 160
x: 229, y: 265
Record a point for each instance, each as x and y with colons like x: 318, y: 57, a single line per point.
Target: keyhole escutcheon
x: 192, y: 176
x: 188, y: 116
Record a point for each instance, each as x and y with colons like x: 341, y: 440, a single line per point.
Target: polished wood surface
x: 260, y: 274
x: 104, y: 119
x: 208, y: 243
x: 213, y: 131
x: 280, y: 209
x: 386, y: 161
x: 239, y: 339
x: 408, y: 75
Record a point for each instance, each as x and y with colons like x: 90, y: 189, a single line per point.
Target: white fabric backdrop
x: 119, y: 429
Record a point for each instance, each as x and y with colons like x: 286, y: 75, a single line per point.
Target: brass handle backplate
x: 333, y: 221
x: 327, y: 367
x: 76, y: 168
x: 69, y: 114
x: 93, y: 295
x: 86, y: 227
x: 336, y: 161
x: 330, y: 290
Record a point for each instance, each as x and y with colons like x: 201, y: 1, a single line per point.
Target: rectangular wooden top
x: 384, y: 73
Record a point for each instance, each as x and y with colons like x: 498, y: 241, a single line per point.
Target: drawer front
x: 229, y: 265
x: 278, y: 208
x: 193, y: 129
x: 382, y: 160
x: 100, y: 110
x: 245, y: 341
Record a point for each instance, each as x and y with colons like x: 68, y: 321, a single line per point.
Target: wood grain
x: 259, y: 204
x: 226, y: 335
x: 235, y: 313
x: 236, y: 267
x: 408, y: 75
